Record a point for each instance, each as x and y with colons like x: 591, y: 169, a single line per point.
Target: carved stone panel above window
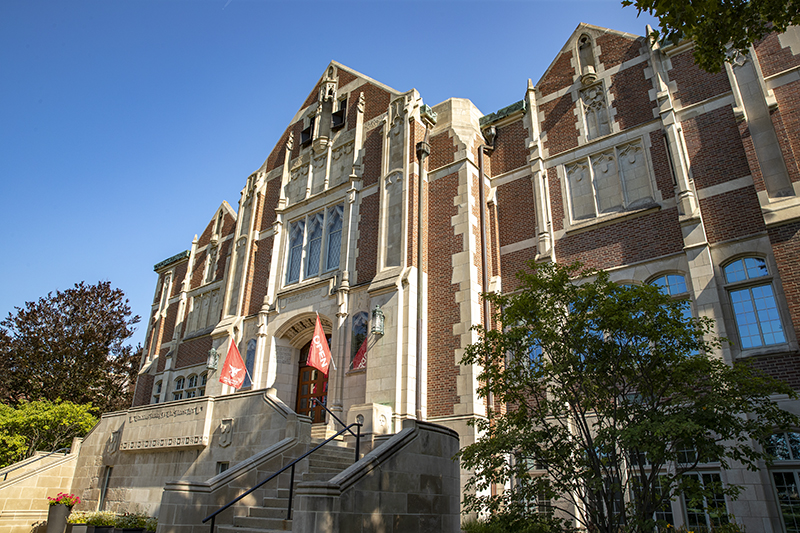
x: 609, y: 182
x: 595, y: 112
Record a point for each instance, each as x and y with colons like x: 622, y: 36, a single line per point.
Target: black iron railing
x: 60, y: 450
x: 291, y: 466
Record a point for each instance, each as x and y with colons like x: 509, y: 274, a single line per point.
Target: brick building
x: 623, y: 155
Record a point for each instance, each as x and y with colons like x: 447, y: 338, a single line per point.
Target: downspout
x: 490, y: 134
x: 423, y: 151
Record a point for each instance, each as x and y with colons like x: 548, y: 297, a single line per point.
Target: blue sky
x: 124, y: 124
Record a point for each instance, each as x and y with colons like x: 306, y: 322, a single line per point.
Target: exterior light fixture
x: 378, y: 320
x: 213, y: 359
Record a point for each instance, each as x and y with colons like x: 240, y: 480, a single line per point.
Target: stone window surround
x: 323, y: 272
x: 581, y: 155
x: 750, y: 283
x: 169, y: 391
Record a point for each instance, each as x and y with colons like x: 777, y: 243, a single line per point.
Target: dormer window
x: 339, y: 117
x: 307, y: 135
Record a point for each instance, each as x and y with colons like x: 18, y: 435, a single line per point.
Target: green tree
x: 41, y: 426
x: 601, y: 387
x: 713, y: 25
x: 70, y: 345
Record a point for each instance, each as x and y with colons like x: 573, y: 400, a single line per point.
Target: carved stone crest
x: 226, y: 432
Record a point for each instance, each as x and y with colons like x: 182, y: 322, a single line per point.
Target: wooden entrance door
x: 311, y: 383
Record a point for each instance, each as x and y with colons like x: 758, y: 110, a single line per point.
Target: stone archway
x: 309, y: 382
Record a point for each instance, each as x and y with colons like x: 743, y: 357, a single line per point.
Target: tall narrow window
x: 360, y: 321
x: 249, y: 362
x: 314, y: 244
x: 296, y: 233
x: 334, y: 229
x: 754, y: 307
x: 706, y: 511
x: 104, y: 488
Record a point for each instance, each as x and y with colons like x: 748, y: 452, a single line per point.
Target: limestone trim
x: 722, y: 188
x: 517, y: 246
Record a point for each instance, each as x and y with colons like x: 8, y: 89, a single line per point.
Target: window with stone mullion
x: 334, y: 229
x: 296, y: 234
x: 314, y: 244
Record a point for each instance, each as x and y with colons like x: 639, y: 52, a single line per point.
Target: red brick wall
x: 786, y: 248
x: 514, y: 262
x: 376, y: 100
x: 631, y: 97
x: 628, y: 241
x: 784, y: 367
x: 373, y: 145
x: 222, y: 259
x: 367, y: 260
x: 260, y: 279
x: 615, y: 49
x: 510, y: 150
x: 443, y: 150
x: 556, y: 200
x: 494, y: 240
x: 443, y: 310
x: 732, y: 214
x: 278, y: 153
x: 515, y: 211
x: 560, y: 123
x: 271, y: 197
x: 198, y: 269
x: 773, y: 58
x: 559, y: 76
x: 205, y: 237
x: 178, y: 277
x: 787, y: 125
x: 169, y: 323
x: 695, y: 84
x: 144, y: 389
x: 714, y: 146
x: 313, y: 96
x: 344, y: 77
x: 661, y: 165
x: 193, y: 352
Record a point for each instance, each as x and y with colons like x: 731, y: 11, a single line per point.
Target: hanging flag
x: 360, y: 360
x: 233, y: 371
x: 319, y: 356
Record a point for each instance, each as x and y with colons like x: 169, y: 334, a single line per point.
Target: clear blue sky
x: 124, y: 124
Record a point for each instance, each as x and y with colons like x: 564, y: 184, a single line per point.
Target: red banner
x: 360, y: 360
x: 319, y: 355
x: 233, y: 371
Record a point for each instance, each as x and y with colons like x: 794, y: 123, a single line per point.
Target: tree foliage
x: 714, y: 24
x: 613, y: 393
x: 70, y: 345
x: 41, y: 426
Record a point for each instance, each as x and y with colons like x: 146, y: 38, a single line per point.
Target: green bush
x: 107, y: 518
x: 511, y: 522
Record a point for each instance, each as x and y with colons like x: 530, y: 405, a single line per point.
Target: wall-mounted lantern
x: 378, y: 320
x: 213, y: 359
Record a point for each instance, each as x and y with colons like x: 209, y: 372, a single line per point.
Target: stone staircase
x: 270, y: 516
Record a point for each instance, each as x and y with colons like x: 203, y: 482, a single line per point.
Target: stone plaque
x: 183, y: 425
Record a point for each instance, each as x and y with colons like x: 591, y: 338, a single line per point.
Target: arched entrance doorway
x: 311, y: 383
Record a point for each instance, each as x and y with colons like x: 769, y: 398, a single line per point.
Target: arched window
x: 191, y: 386
x: 157, y: 392
x: 177, y: 393
x: 755, y: 309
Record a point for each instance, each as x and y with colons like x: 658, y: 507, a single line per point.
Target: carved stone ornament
x: 226, y: 432
x: 113, y: 441
x: 213, y: 359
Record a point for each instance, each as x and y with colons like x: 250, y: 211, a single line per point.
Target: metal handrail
x: 316, y: 400
x: 291, y: 465
x: 5, y: 474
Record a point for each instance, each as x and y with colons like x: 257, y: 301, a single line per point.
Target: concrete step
x: 232, y: 529
x: 277, y: 510
x: 254, y: 522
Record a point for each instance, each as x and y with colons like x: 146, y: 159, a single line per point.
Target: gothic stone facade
x: 624, y: 156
